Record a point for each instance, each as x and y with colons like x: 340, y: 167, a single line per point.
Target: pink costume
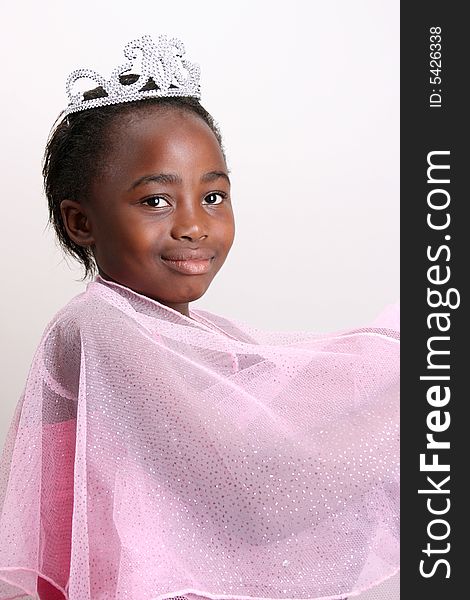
x: 154, y: 455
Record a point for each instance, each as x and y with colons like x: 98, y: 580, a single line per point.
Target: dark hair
x: 76, y: 149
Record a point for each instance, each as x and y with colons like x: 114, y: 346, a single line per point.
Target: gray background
x: 307, y: 97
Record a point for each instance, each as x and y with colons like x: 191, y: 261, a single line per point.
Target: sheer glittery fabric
x: 154, y: 455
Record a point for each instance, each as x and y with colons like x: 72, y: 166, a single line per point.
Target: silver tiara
x: 162, y: 61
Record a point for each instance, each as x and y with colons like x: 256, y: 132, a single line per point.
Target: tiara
x: 162, y: 64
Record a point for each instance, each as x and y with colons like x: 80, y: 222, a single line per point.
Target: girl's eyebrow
x: 172, y: 178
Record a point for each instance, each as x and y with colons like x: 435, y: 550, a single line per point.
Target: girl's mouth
x: 190, y: 266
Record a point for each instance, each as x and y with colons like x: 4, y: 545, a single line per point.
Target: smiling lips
x: 189, y: 262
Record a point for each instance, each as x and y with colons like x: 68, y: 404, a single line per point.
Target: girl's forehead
x: 149, y: 128
x: 173, y: 141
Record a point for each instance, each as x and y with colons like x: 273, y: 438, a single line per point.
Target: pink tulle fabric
x: 154, y: 455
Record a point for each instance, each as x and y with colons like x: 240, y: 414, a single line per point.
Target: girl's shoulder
x: 94, y: 306
x: 88, y: 325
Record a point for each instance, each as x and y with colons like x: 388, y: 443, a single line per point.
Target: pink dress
x: 155, y: 456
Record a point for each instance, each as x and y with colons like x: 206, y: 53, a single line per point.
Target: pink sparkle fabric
x: 154, y: 455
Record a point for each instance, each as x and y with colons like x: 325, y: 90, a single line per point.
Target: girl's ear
x: 76, y: 222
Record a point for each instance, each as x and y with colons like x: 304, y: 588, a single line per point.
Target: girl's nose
x: 193, y: 238
x: 189, y: 223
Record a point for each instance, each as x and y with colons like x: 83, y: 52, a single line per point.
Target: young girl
x: 160, y: 451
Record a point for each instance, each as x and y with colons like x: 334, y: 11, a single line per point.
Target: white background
x: 307, y: 97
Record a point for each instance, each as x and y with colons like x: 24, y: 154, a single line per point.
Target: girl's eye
x: 213, y: 198
x: 158, y: 200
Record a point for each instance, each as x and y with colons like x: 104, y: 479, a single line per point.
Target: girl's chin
x: 183, y: 288
x: 186, y: 295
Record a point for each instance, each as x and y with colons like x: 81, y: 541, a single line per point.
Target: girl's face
x: 164, y: 194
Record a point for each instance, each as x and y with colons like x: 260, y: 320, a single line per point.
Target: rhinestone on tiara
x: 162, y: 62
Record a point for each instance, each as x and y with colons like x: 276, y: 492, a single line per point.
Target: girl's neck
x: 182, y: 307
